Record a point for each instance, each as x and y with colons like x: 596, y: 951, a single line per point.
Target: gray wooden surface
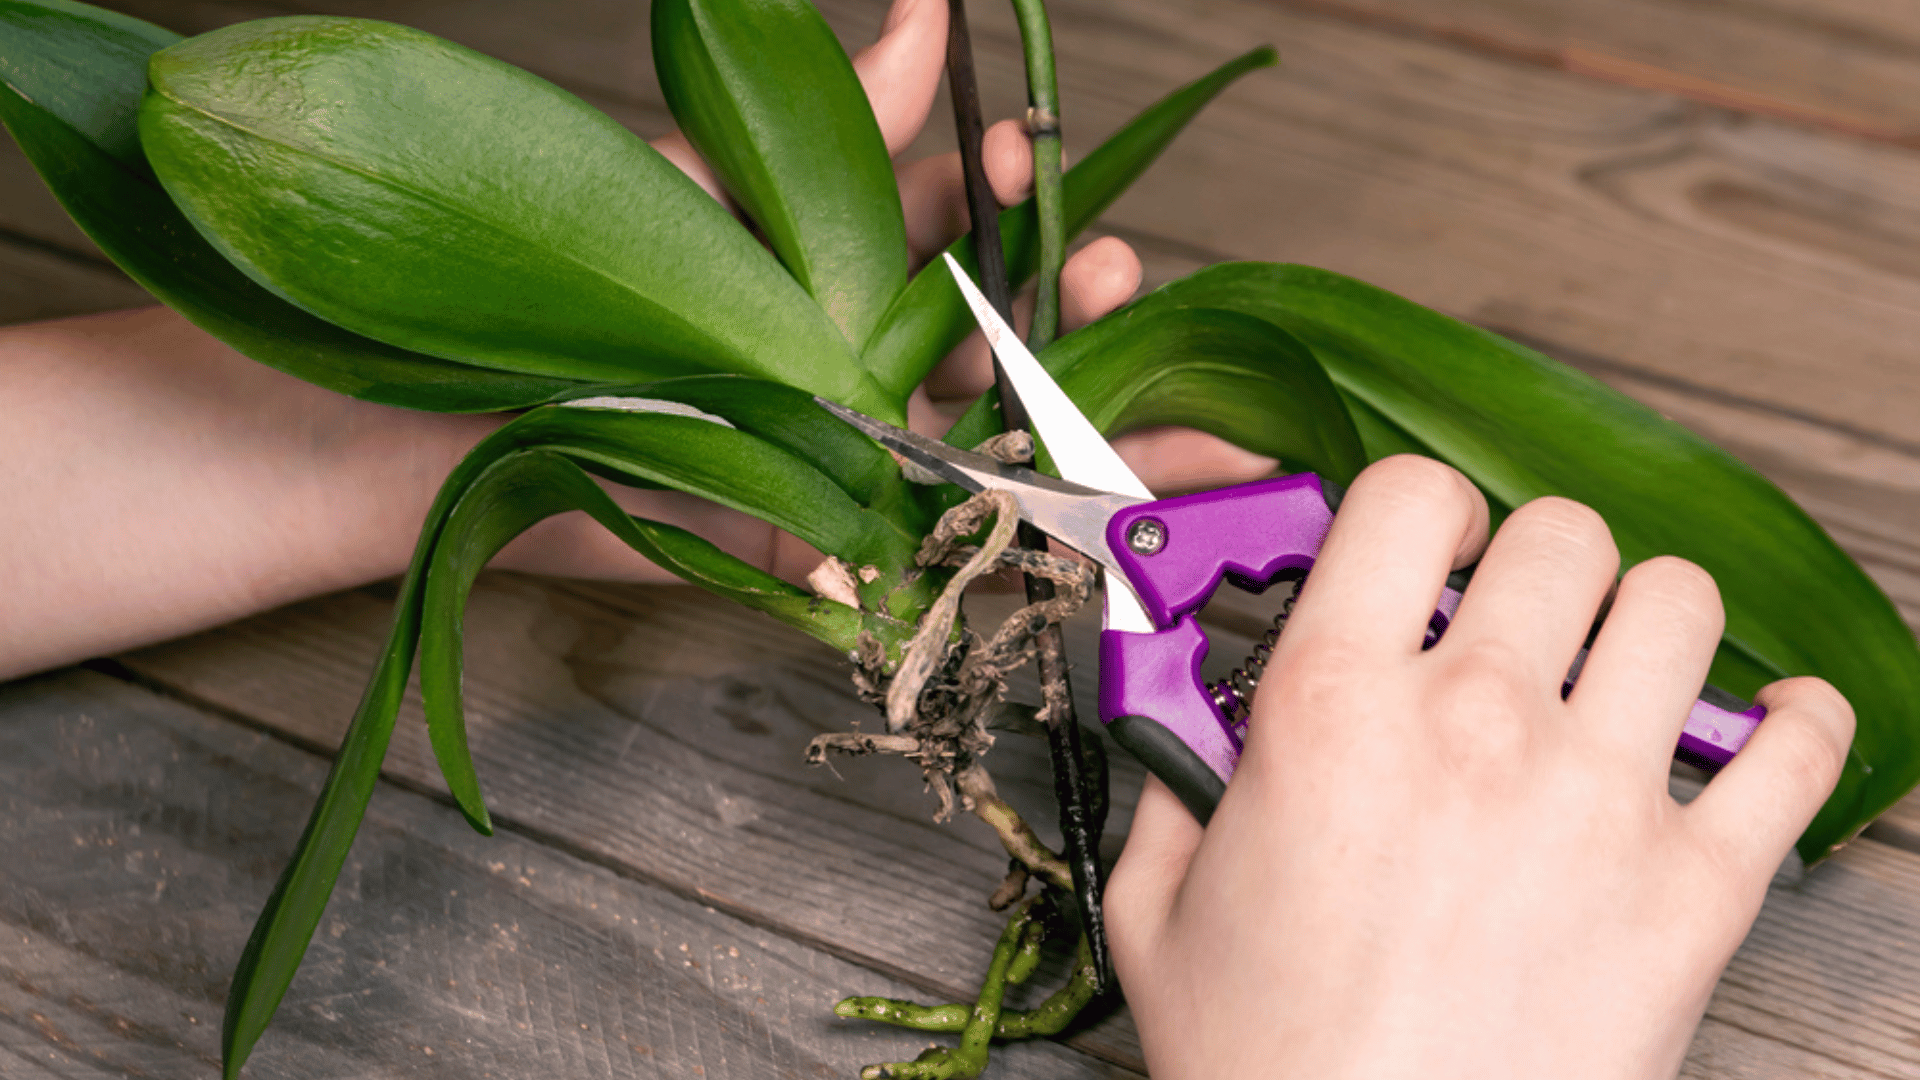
x: 1711, y: 206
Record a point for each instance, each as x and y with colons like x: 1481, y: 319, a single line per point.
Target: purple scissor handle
x: 1176, y: 552
x: 1170, y: 555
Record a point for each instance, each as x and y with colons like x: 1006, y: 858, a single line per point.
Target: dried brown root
x: 950, y: 681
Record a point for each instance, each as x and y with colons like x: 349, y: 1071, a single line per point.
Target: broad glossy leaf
x: 930, y: 317
x: 763, y: 90
x: 1523, y: 426
x: 436, y: 199
x: 527, y: 487
x: 71, y: 77
x: 1232, y: 375
x: 789, y: 419
x: 725, y: 466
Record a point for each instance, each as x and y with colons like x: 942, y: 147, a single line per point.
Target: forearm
x: 156, y: 483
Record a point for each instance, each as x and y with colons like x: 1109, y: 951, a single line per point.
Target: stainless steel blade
x: 1071, y: 513
x: 1082, y: 453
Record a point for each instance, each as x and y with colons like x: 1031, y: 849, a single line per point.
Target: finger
x: 1096, y: 280
x: 1006, y: 153
x: 677, y: 149
x: 967, y: 371
x: 1648, y: 664
x: 1764, y: 798
x: 933, y: 198
x: 1537, y: 590
x: 1171, y: 460
x: 933, y: 191
x: 1152, y: 866
x: 1402, y: 526
x: 901, y: 71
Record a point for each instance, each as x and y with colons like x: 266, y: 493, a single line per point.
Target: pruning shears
x: 1164, y: 558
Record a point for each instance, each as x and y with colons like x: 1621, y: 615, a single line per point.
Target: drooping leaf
x: 1232, y: 375
x: 529, y: 486
x: 763, y: 90
x: 738, y: 472
x: 1522, y: 426
x: 930, y: 317
x: 280, y: 935
x: 442, y: 201
x: 701, y: 457
x: 71, y: 78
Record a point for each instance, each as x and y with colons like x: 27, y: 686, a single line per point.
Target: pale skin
x: 1426, y: 865
x: 1429, y: 865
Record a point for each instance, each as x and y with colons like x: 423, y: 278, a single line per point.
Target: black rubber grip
x: 1172, y: 761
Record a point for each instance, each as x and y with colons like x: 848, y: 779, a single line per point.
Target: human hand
x: 1427, y: 863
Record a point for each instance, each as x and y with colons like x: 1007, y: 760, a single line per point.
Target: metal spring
x: 1233, y: 695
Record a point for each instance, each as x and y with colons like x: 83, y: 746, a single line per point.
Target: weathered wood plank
x: 1844, y: 64
x: 604, y: 730
x: 142, y: 836
x: 40, y: 280
x: 669, y: 743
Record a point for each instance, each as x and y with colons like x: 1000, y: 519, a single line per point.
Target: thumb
x: 1141, y: 892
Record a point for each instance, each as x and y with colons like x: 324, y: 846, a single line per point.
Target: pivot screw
x: 1146, y: 536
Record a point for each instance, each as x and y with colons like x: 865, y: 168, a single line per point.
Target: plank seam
x: 1618, y: 71
x: 114, y: 669
x: 16, y: 238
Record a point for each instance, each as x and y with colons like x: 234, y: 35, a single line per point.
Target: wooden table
x: 1714, y: 207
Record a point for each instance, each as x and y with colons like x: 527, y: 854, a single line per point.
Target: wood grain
x: 143, y: 835
x: 662, y: 740
x: 1709, y: 206
x: 1843, y: 64
x: 664, y: 736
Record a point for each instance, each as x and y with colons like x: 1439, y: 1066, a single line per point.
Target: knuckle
x: 1688, y: 597
x: 1484, y: 704
x: 1824, y: 713
x: 1409, y: 480
x: 1808, y: 752
x: 1410, y: 474
x: 1566, y: 524
x: 1679, y: 577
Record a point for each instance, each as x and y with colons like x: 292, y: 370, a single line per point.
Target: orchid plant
x: 396, y: 217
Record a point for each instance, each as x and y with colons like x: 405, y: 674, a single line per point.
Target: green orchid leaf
x: 285, y: 926
x: 526, y: 487
x: 71, y: 78
x: 1225, y: 373
x: 931, y: 317
x: 789, y: 419
x: 763, y: 90
x: 1522, y: 426
x: 727, y: 466
x: 433, y: 198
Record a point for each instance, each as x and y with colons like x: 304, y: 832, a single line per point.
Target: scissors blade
x: 1071, y: 513
x: 1082, y: 453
